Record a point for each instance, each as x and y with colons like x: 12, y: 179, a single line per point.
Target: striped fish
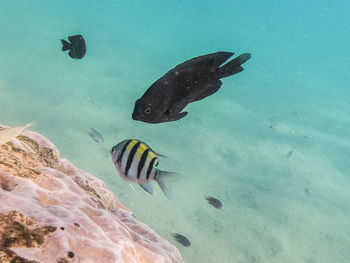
x: 136, y: 162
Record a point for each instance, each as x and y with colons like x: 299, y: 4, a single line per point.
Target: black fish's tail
x: 233, y: 67
x: 66, y: 45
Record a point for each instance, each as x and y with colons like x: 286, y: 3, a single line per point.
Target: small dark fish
x: 95, y: 135
x: 76, y: 47
x: 289, y: 154
x: 182, y: 240
x: 214, y: 202
x: 190, y: 81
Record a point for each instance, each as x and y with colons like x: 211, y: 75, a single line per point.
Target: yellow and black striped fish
x: 136, y: 162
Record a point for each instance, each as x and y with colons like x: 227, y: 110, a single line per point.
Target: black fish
x: 76, y: 47
x: 190, y: 81
x: 182, y: 240
x: 214, y: 202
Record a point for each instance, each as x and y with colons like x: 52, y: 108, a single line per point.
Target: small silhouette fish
x: 95, y: 135
x: 214, y: 202
x: 136, y: 162
x: 76, y: 47
x: 182, y: 240
x: 289, y: 154
x: 10, y: 133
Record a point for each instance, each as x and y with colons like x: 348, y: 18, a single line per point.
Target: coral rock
x: 51, y: 211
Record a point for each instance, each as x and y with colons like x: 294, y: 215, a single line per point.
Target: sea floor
x: 272, y: 144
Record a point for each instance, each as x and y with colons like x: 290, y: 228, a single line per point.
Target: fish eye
x: 147, y: 110
x: 112, y: 150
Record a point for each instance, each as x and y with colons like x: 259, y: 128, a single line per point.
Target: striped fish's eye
x: 112, y: 150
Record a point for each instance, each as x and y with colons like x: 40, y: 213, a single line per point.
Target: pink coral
x: 51, y: 211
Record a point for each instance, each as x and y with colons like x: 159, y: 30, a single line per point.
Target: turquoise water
x: 272, y: 144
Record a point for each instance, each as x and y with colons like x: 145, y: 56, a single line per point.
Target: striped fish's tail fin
x: 160, y: 180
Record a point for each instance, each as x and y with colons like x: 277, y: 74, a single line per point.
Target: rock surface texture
x: 51, y: 211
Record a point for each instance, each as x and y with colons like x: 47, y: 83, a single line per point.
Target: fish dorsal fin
x: 160, y: 155
x: 147, y: 187
x: 213, y: 60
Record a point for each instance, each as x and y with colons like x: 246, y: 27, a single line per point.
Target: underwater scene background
x: 272, y: 144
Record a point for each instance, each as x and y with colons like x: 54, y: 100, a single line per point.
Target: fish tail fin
x: 65, y: 45
x: 161, y: 175
x: 233, y: 66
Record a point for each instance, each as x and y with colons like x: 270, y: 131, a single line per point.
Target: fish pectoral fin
x: 178, y: 116
x: 147, y: 187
